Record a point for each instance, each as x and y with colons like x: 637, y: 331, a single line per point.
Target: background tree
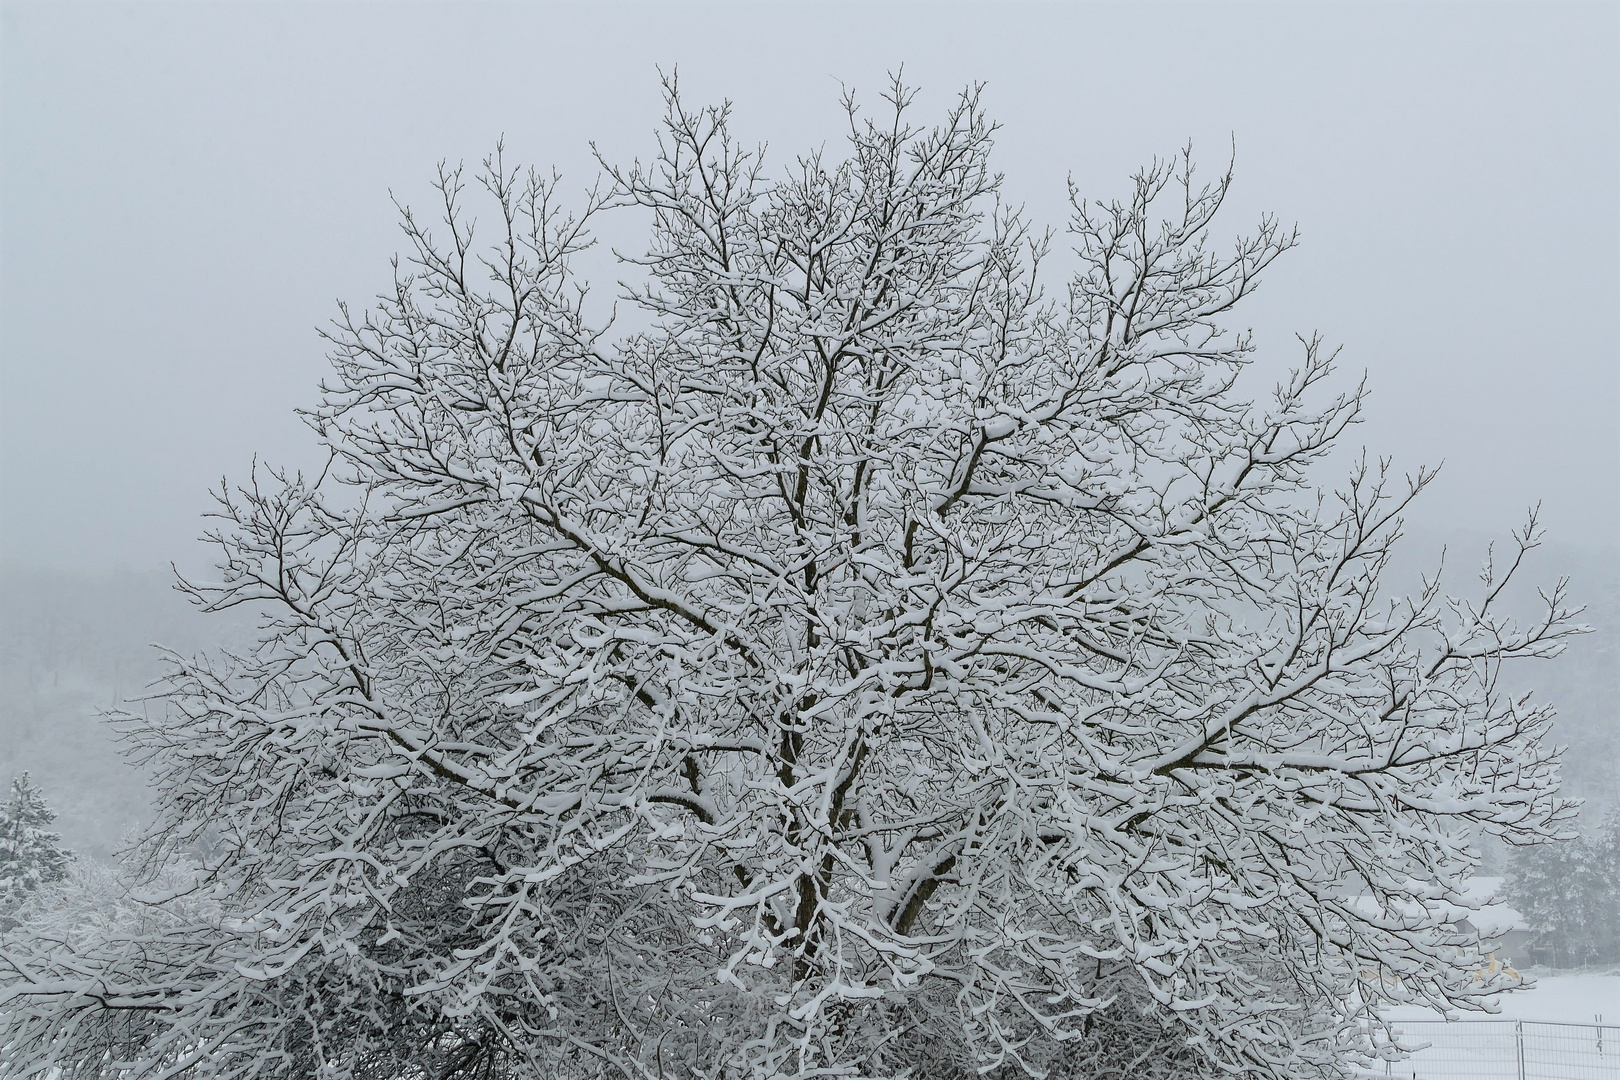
x: 1569, y: 892
x: 30, y: 854
x: 872, y: 660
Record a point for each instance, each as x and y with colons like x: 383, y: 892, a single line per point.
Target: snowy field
x: 1558, y: 1037
x: 1567, y: 999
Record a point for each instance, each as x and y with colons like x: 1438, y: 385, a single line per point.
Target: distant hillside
x: 1584, y: 683
x: 70, y: 646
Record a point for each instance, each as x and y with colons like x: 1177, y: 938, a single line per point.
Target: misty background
x: 186, y: 190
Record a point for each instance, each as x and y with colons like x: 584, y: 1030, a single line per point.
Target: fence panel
x: 1505, y: 1050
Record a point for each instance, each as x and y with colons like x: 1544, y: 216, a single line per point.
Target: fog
x: 188, y: 189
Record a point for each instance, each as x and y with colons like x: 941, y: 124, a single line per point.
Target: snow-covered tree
x: 872, y: 663
x: 1568, y: 893
x: 30, y: 853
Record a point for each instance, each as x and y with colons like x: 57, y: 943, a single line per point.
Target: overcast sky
x: 188, y: 189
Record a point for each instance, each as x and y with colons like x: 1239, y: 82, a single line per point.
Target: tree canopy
x: 876, y: 661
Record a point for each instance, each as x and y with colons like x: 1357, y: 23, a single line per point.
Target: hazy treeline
x: 1584, y: 683
x: 72, y: 645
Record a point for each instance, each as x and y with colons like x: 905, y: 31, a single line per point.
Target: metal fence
x: 1504, y: 1050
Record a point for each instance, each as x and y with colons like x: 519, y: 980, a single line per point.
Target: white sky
x: 185, y: 190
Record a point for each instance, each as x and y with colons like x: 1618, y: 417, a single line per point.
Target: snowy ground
x: 1561, y: 998
x: 1558, y: 1039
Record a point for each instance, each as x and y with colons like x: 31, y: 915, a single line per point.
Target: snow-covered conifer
x: 873, y: 658
x: 1568, y: 893
x: 30, y: 853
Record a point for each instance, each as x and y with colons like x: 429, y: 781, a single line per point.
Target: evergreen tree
x: 1545, y: 887
x: 1602, y: 884
x: 1566, y: 891
x: 30, y: 854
